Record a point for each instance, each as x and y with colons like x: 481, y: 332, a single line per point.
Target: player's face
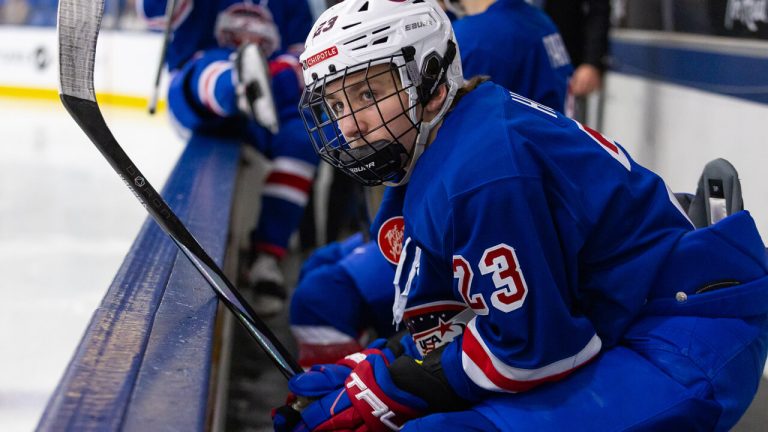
x: 371, y: 106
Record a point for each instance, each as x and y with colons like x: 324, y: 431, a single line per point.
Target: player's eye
x: 337, y: 108
x: 368, y: 95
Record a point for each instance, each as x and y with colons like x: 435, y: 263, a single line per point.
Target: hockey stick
x: 78, y: 28
x: 169, y: 9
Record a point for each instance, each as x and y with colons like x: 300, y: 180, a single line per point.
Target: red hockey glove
x: 379, y: 391
x: 369, y: 401
x: 377, y: 401
x: 320, y: 380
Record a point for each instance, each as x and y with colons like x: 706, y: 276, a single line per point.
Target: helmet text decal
x: 322, y: 56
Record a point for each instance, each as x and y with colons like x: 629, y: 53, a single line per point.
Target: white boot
x: 253, y: 85
x: 268, y: 285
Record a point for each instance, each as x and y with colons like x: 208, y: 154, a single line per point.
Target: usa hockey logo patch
x: 390, y: 238
x: 433, y: 325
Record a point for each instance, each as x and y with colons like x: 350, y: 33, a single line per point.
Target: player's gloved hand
x: 253, y: 86
x: 321, y: 380
x: 369, y: 401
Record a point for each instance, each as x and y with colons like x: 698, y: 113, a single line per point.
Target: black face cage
x: 370, y: 162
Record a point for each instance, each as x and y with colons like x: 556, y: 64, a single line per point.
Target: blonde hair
x: 468, y: 86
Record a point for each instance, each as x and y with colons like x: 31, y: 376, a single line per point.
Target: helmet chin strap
x: 420, y: 143
x: 425, y: 89
x: 421, y: 140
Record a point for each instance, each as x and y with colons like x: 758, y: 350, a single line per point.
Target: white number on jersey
x: 501, y: 263
x: 463, y: 272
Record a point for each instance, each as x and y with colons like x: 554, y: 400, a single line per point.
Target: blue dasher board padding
x: 145, y: 359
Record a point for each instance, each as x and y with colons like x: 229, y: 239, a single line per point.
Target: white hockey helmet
x: 416, y: 39
x: 242, y: 23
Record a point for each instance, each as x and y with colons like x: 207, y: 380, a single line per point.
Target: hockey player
x: 539, y: 70
x: 548, y: 281
x: 347, y: 288
x: 220, y: 84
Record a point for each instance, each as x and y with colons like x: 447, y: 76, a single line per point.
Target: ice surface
x: 66, y: 223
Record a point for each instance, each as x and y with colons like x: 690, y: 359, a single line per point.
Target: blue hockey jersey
x: 537, y: 66
x: 194, y: 23
x: 519, y: 47
x: 545, y: 228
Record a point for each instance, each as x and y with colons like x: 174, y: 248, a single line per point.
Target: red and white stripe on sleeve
x: 207, y: 86
x: 287, y: 62
x: 290, y: 180
x: 489, y: 372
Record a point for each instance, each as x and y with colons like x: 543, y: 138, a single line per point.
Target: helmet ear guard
x: 433, y: 70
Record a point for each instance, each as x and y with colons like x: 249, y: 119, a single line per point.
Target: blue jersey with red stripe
x: 538, y: 67
x: 519, y: 47
x: 194, y: 24
x: 546, y: 229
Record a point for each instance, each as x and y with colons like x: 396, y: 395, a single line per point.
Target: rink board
x: 146, y: 359
x: 124, y: 70
x: 676, y: 102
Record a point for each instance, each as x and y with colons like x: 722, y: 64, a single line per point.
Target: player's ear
x: 434, y: 104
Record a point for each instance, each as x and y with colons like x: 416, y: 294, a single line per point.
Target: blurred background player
x: 220, y: 85
x: 346, y: 288
x: 584, y: 26
x: 516, y: 45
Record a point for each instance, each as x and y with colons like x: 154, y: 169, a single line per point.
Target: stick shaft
x: 169, y: 9
x: 78, y: 28
x: 86, y: 113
